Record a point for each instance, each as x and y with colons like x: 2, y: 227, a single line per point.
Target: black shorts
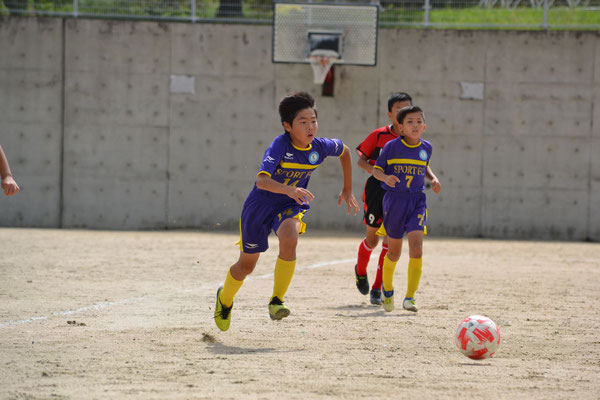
x: 373, y: 203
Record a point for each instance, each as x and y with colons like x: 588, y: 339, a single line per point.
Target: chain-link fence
x: 459, y: 14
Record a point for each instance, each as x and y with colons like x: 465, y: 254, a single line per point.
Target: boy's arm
x: 380, y: 164
x: 9, y: 185
x: 435, y: 183
x: 365, y: 149
x: 389, y: 180
x: 346, y: 193
x: 301, y: 195
x: 363, y: 162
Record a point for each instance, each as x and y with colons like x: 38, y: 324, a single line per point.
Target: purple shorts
x: 261, y: 215
x: 404, y: 212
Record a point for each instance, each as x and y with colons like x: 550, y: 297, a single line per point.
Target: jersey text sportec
x: 372, y: 145
x: 293, y: 166
x: 407, y: 162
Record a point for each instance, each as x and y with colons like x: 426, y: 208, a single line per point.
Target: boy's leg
x: 415, y: 265
x: 389, y: 265
x: 378, y: 277
x: 233, y: 282
x: 285, y: 266
x: 364, y: 254
x: 376, y: 288
x: 236, y: 275
x: 373, y: 217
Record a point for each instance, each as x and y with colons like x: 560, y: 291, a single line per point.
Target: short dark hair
x: 293, y: 103
x: 403, y: 112
x: 396, y: 97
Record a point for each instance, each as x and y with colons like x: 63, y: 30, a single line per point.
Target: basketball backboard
x: 301, y: 29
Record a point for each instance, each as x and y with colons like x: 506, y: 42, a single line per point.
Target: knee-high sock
x: 388, y: 273
x: 415, y: 265
x: 230, y: 288
x: 364, y: 254
x: 284, y: 271
x: 378, y: 277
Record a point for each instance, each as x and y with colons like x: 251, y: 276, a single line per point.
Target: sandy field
x: 129, y: 315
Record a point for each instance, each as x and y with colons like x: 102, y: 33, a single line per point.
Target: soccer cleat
x: 410, y: 304
x: 362, y: 282
x: 388, y: 300
x: 376, y: 296
x: 277, y: 310
x: 222, y: 313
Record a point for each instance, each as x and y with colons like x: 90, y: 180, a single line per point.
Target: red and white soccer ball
x: 477, y: 337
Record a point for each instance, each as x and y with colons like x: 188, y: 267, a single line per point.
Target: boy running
x: 373, y: 193
x: 401, y: 167
x: 279, y: 200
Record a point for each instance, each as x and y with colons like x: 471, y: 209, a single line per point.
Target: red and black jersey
x: 372, y: 145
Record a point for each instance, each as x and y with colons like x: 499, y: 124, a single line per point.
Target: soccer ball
x: 477, y: 337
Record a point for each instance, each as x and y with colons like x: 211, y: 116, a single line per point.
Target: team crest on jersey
x: 313, y: 157
x: 423, y: 155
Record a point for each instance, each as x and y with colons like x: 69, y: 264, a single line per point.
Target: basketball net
x: 321, y: 62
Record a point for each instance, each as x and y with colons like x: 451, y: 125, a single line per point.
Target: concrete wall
x: 31, y: 53
x: 141, y: 125
x: 116, y: 155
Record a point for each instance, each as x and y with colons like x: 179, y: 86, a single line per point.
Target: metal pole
x: 426, y: 22
x: 75, y: 8
x: 194, y: 18
x: 545, y: 25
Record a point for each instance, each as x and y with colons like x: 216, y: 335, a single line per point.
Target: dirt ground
x: 129, y: 315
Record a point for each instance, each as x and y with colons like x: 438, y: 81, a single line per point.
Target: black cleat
x: 362, y: 282
x: 376, y: 296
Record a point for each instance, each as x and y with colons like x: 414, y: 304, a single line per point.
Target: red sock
x: 378, y: 278
x: 364, y: 253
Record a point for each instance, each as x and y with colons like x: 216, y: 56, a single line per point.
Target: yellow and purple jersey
x: 293, y: 166
x: 407, y: 162
x: 264, y: 211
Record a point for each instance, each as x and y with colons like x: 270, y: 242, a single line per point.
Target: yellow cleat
x: 388, y: 300
x: 222, y: 313
x: 410, y: 304
x: 277, y: 310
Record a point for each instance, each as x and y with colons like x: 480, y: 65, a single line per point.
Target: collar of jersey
x: 301, y: 149
x: 391, y: 130
x: 411, y: 145
x: 296, y: 147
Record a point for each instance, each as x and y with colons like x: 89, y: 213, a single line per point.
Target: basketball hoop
x: 321, y: 61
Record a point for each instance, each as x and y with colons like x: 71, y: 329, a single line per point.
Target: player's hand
x: 9, y: 186
x: 350, y: 200
x: 301, y: 195
x: 436, y: 186
x: 391, y: 180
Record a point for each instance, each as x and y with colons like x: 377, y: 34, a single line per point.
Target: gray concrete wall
x: 99, y: 135
x: 31, y: 53
x: 116, y: 136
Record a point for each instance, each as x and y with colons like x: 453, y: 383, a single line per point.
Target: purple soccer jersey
x: 285, y: 163
x: 404, y: 205
x: 407, y: 162
x: 293, y: 166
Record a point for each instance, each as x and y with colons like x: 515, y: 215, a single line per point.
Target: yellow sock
x: 415, y: 266
x: 388, y: 273
x: 230, y: 288
x: 284, y: 271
